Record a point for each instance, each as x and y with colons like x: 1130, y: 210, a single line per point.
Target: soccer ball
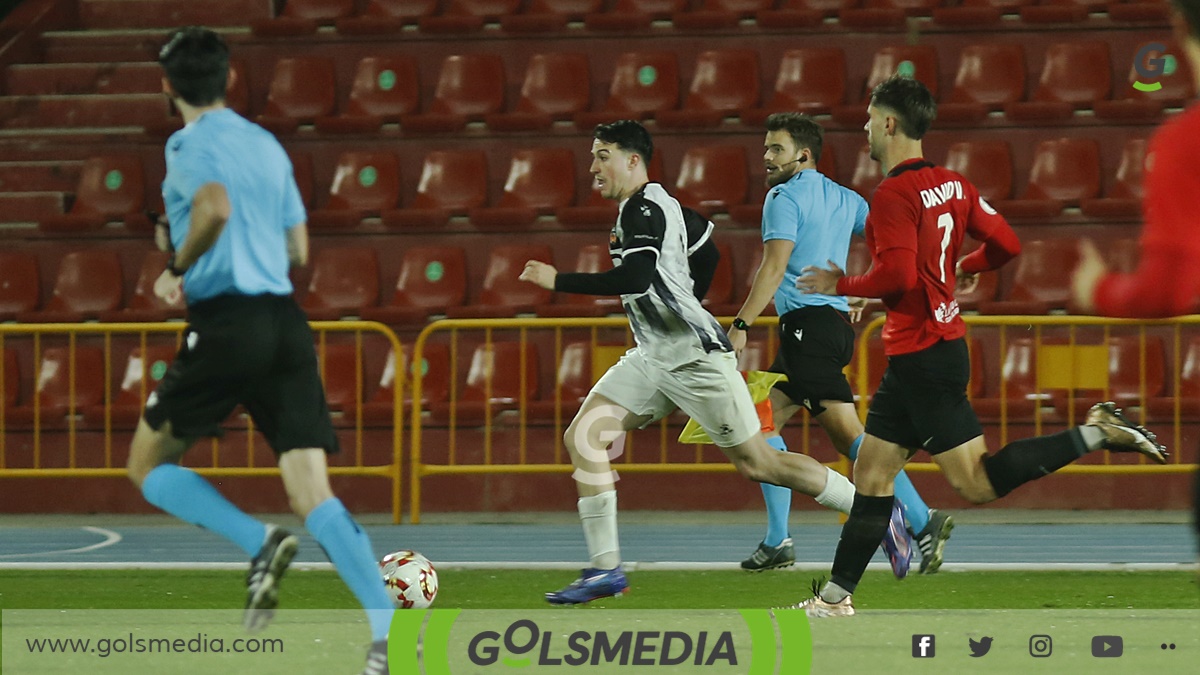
x: 410, y: 579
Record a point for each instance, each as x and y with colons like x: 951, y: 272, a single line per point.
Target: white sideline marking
x: 629, y: 566
x: 110, y: 538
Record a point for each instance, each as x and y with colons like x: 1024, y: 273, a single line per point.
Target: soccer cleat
x: 932, y: 540
x: 262, y: 581
x: 1122, y: 435
x: 817, y: 608
x: 377, y: 659
x: 897, y: 543
x: 592, y: 584
x: 771, y: 557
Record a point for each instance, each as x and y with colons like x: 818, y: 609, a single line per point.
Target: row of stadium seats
x: 303, y: 17
x: 544, y: 182
x: 433, y: 280
x: 990, y: 78
x: 493, y: 378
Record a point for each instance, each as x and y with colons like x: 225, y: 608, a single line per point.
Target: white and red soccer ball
x: 410, y: 579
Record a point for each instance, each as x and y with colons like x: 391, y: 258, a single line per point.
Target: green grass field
x: 1148, y: 608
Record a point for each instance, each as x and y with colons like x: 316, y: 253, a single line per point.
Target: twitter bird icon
x: 980, y: 648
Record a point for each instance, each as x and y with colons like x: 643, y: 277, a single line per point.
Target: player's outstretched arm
x: 633, y: 275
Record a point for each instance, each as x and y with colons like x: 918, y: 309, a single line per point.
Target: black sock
x: 1022, y: 461
x: 861, y: 536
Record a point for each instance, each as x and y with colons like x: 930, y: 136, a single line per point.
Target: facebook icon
x: 923, y: 646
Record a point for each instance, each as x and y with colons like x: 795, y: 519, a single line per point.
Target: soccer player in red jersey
x: 1167, y: 280
x: 919, y: 216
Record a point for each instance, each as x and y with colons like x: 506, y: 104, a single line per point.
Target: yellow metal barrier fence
x: 391, y: 471
x: 1009, y: 328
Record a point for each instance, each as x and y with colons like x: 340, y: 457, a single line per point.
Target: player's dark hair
x: 1190, y: 9
x: 803, y: 129
x: 629, y: 136
x: 196, y: 61
x: 910, y: 100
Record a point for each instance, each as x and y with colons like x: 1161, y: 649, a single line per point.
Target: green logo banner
x: 461, y: 642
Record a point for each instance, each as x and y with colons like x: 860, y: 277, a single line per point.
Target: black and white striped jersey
x: 666, y: 318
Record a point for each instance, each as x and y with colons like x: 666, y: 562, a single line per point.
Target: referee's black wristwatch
x: 172, y: 268
x: 740, y: 324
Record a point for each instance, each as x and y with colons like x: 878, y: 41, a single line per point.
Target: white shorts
x: 709, y: 389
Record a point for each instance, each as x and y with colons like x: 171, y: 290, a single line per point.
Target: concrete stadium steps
x: 108, y: 14
x: 30, y: 207
x: 37, y: 176
x: 82, y: 78
x: 113, y: 110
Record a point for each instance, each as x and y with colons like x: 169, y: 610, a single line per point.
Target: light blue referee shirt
x: 818, y: 216
x: 250, y: 257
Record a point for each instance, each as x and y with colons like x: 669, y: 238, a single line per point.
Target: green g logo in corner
x: 457, y: 642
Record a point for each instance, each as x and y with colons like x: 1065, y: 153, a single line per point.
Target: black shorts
x: 922, y: 400
x: 815, y: 346
x: 253, y: 350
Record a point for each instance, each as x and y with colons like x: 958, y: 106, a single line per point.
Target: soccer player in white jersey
x: 682, y: 359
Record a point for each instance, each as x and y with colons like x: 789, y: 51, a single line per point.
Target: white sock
x: 838, y: 493
x: 1093, y: 438
x: 599, y: 517
x: 833, y: 593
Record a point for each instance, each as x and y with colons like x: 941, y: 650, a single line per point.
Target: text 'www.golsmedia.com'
x: 200, y: 643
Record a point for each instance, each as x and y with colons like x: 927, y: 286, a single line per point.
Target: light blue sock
x: 915, y: 510
x: 349, y: 550
x: 779, y: 503
x: 185, y: 494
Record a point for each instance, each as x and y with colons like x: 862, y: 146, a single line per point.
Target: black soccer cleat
x: 377, y: 659
x: 262, y: 581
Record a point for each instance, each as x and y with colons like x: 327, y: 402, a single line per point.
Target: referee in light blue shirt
x: 808, y: 219
x: 237, y: 224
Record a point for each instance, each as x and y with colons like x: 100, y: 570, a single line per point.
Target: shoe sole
x: 261, y: 607
x: 939, y: 547
x: 768, y: 568
x: 1158, y: 453
x: 615, y: 596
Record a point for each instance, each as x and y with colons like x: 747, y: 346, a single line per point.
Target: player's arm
x: 1000, y: 243
x: 893, y: 221
x: 780, y: 221
x: 297, y: 245
x: 297, y: 232
x: 210, y: 211
x: 703, y: 254
x: 633, y: 275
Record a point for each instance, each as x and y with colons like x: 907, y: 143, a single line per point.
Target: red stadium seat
x: 20, y: 284
x: 990, y: 76
x: 1074, y: 75
x: 1065, y: 171
x: 1042, y: 281
x: 918, y: 61
x: 556, y: 87
x: 302, y: 171
x: 1173, y: 90
x: 987, y: 164
x: 382, y: 17
x: 342, y: 378
x: 63, y: 387
x: 1188, y: 398
x: 431, y: 279
x: 719, y: 300
x: 643, y: 84
x: 379, y: 407
x: 503, y: 293
x: 718, y: 14
x: 1018, y: 394
x: 111, y: 187
x: 433, y: 370
x: 793, y: 14
x: 811, y: 80
x: 574, y: 383
x: 985, y: 291
x: 384, y: 89
x: 364, y: 185
x: 302, y: 17
x: 452, y: 183
x: 630, y: 15
x: 470, y: 87
x: 1126, y: 384
x: 712, y: 178
x: 867, y: 174
x: 1124, y: 197
x: 539, y: 181
x: 145, y: 305
x: 344, y: 281
x: 10, y: 383
x: 142, y: 375
x: 89, y: 283
x: 494, y: 379
x: 460, y: 16
x: 542, y: 16
x: 1054, y: 11
x: 725, y: 83
x: 302, y: 90
x: 592, y: 258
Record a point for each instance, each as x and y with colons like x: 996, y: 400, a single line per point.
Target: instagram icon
x: 1041, y: 645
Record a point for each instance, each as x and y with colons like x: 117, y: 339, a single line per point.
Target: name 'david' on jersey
x: 942, y: 193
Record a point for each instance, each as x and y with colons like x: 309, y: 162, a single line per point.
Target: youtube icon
x: 1107, y: 646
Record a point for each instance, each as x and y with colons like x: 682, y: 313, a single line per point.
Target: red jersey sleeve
x: 1000, y: 243
x: 1167, y: 280
x: 892, y: 227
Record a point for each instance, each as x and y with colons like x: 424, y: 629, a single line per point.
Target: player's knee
x: 976, y: 494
